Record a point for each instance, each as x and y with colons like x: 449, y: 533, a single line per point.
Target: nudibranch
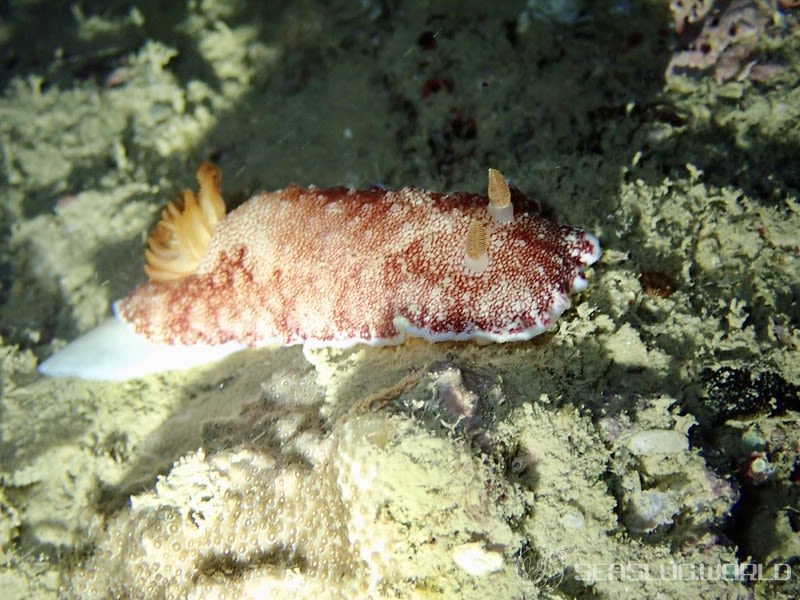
x: 335, y: 267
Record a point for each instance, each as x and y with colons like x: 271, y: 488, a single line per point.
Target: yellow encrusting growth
x: 179, y: 241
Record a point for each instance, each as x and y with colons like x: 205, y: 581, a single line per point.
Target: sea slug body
x: 335, y: 267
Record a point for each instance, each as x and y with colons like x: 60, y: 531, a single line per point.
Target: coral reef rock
x: 726, y: 42
x: 378, y: 508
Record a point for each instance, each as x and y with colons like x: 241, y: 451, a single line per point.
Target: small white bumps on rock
x: 658, y: 441
x: 476, y: 560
